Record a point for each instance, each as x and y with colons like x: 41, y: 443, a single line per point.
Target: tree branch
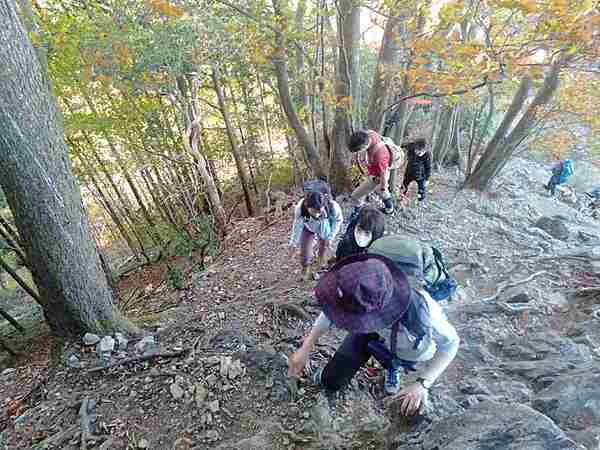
x: 442, y: 94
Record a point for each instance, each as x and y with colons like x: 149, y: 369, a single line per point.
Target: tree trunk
x: 36, y: 176
x: 154, y: 235
x: 237, y: 156
x: 192, y: 139
x: 283, y: 87
x: 388, y: 57
x: 502, y: 146
x: 340, y: 169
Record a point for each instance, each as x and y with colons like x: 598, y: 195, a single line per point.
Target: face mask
x: 363, y: 238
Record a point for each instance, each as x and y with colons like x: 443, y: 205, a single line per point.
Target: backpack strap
x: 439, y: 262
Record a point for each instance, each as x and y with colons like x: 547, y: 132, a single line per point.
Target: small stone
x: 260, y: 319
x: 106, y: 345
x: 214, y: 406
x: 143, y: 443
x: 122, y: 341
x: 212, y: 435
x: 154, y: 372
x: 206, y: 419
x: 90, y: 339
x: 8, y: 371
x: 73, y: 362
x: 211, y: 380
x: 176, y: 391
x: 269, y: 382
x: 212, y: 360
x: 306, y: 415
x: 200, y: 394
x: 225, y: 364
x: 235, y: 369
x: 145, y: 344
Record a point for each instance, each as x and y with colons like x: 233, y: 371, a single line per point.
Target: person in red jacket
x: 378, y: 168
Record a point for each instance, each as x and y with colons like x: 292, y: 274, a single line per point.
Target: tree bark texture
x: 36, y: 176
x: 388, y: 57
x: 504, y: 144
x: 283, y: 87
x: 237, y: 156
x: 340, y: 167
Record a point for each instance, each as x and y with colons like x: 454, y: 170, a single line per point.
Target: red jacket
x: 378, y: 155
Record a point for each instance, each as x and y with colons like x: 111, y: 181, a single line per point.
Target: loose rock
x: 90, y: 339
x: 176, y: 391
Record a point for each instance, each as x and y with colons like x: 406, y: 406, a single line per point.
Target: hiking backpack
x: 419, y: 261
x: 396, y: 152
x: 317, y: 186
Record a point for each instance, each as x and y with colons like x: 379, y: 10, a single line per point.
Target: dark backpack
x: 317, y: 186
x: 444, y: 285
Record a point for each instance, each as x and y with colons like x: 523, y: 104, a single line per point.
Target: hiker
x: 418, y: 167
x: 316, y: 216
x: 370, y: 297
x: 560, y: 174
x: 379, y: 161
x: 422, y: 263
x: 364, y: 228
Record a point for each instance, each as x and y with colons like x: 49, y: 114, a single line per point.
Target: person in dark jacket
x: 365, y: 228
x: 418, y: 166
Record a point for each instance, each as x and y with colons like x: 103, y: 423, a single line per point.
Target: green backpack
x: 422, y: 263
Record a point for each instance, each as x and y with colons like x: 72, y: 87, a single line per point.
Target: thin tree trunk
x: 281, y: 71
x: 388, y: 57
x: 503, y: 145
x: 14, y: 246
x: 20, y: 281
x: 239, y: 162
x: 154, y: 235
x: 347, y: 20
x: 192, y: 141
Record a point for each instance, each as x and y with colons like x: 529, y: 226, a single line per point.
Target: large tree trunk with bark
x: 347, y: 22
x: 36, y: 176
x: 388, y: 57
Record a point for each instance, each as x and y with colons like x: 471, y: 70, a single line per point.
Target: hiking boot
x: 391, y: 383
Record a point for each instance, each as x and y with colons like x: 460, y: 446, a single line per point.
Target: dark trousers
x: 420, y: 187
x: 551, y: 186
x: 348, y: 359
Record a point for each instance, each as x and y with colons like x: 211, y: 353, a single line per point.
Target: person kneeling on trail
x: 315, y: 217
x: 418, y: 167
x: 368, y: 296
x: 561, y: 172
x: 378, y: 168
x: 364, y: 228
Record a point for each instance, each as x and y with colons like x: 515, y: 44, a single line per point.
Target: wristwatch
x: 423, y: 382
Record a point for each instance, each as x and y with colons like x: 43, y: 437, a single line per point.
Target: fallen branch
x: 139, y: 359
x: 56, y: 439
x: 505, y: 286
x: 12, y: 321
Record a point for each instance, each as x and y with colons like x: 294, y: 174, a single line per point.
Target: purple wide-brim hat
x: 364, y: 293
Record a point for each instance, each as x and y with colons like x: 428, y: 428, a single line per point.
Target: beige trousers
x: 370, y: 184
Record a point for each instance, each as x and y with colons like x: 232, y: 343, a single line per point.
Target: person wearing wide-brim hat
x: 368, y: 296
